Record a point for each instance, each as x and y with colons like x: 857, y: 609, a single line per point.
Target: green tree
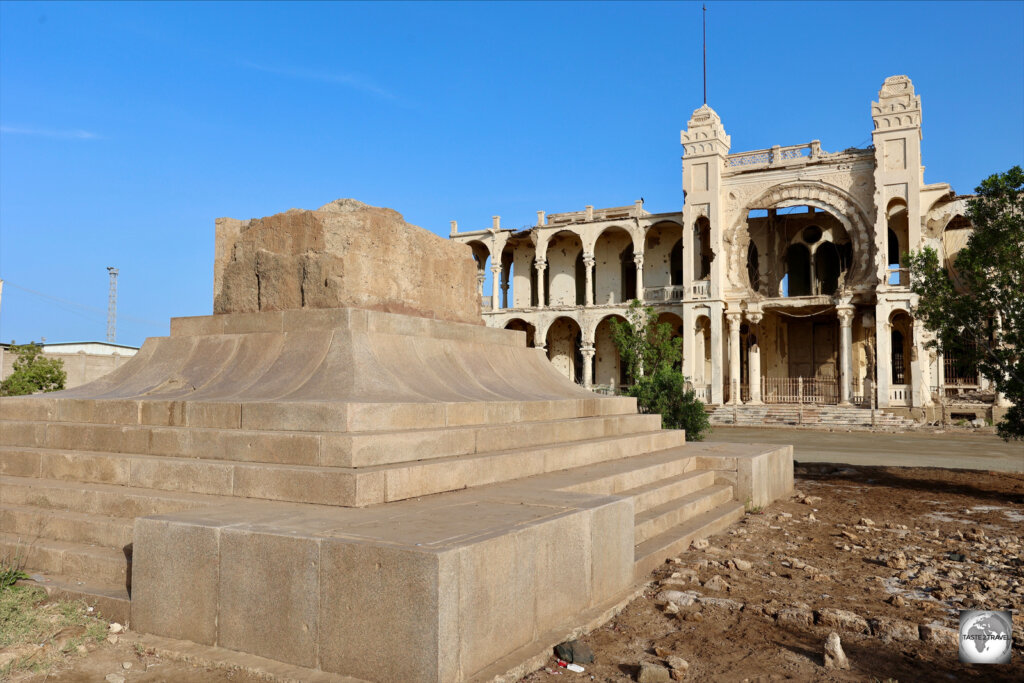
x: 651, y: 354
x: 977, y: 311
x: 32, y: 372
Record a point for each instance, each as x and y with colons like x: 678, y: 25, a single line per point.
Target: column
x: 918, y: 397
x: 638, y: 259
x: 845, y: 313
x: 883, y: 358
x: 495, y: 286
x: 542, y: 266
x: 588, y: 265
x: 588, y: 365
x: 717, y: 395
x: 754, y: 363
x: 734, y: 319
x: 480, y: 277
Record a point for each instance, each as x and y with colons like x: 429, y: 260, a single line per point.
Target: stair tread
x: 691, y: 526
x: 67, y: 514
x: 676, y: 503
x: 60, y: 484
x: 661, y: 483
x: 97, y: 551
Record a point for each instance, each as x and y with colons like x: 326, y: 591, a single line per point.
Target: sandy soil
x: 876, y: 542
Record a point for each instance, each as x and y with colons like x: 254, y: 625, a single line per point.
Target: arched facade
x: 784, y: 264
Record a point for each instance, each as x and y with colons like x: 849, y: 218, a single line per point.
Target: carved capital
x: 638, y: 259
x: 734, y: 318
x: 754, y: 317
x: 541, y: 264
x: 589, y: 260
x: 845, y: 314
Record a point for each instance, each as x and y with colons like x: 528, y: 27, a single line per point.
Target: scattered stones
x: 678, y: 598
x: 716, y: 583
x: 695, y: 617
x: 811, y: 500
x: 864, y: 521
x: 114, y: 678
x: 842, y: 619
x: 835, y: 658
x: 896, y: 560
x: 795, y: 617
x: 678, y: 667
x: 115, y: 627
x: 653, y: 673
x: 721, y: 602
x: 896, y: 601
x: 936, y: 633
x: 893, y: 629
x: 126, y: 666
x: 742, y: 565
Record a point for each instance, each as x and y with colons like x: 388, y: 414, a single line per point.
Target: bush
x: 32, y: 372
x: 666, y: 392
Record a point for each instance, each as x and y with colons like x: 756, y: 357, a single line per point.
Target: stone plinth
x: 344, y: 254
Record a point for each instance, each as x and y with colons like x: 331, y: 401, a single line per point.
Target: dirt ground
x: 880, y: 543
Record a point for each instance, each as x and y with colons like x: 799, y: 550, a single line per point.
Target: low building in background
x: 83, y: 361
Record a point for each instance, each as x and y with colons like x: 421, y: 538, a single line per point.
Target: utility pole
x: 112, y: 306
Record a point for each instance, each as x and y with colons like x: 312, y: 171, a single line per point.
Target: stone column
x: 754, y: 363
x: 883, y: 359
x: 542, y: 266
x: 717, y: 395
x: 918, y: 398
x: 638, y: 259
x: 588, y: 365
x: 588, y: 265
x: 734, y: 319
x: 845, y: 313
x: 480, y: 277
x: 495, y: 286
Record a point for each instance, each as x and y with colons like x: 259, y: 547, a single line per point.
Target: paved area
x: 911, y: 449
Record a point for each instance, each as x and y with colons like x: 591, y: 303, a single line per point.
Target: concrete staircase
x: 789, y: 414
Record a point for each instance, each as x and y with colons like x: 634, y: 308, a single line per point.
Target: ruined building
x: 784, y: 272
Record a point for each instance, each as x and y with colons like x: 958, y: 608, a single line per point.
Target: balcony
x: 700, y: 289
x: 663, y: 294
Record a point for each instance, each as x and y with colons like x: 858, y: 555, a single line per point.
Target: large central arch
x: 820, y: 195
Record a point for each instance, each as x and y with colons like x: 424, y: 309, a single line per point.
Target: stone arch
x: 841, y: 204
x: 563, y: 340
x: 523, y: 326
x: 608, y: 367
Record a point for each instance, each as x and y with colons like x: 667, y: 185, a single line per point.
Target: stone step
x: 98, y: 499
x: 304, y: 416
x: 654, y: 551
x: 635, y: 473
x: 669, y: 489
x: 410, y: 480
x: 109, y: 602
x: 656, y: 520
x: 94, y: 565
x: 331, y: 485
x: 77, y: 527
x: 351, y: 449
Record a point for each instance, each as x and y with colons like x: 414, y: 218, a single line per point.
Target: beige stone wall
x: 344, y: 254
x: 82, y: 368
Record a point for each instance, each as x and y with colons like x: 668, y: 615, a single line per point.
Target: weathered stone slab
x: 344, y: 254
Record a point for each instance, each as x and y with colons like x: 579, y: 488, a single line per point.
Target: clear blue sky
x: 125, y: 129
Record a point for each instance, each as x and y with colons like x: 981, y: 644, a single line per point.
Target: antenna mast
x: 704, y: 26
x: 112, y: 306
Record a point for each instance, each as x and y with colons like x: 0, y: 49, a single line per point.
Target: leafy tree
x: 651, y: 355
x: 978, y: 310
x: 32, y: 372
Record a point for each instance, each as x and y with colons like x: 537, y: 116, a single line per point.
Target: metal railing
x: 817, y: 390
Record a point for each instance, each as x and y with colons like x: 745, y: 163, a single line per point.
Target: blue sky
x: 125, y: 129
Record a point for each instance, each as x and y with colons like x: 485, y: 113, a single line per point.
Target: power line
x: 90, y: 312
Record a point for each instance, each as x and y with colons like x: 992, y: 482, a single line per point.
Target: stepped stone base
x: 371, y: 494
x: 791, y: 414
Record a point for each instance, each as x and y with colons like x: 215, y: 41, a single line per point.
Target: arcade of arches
x: 783, y: 273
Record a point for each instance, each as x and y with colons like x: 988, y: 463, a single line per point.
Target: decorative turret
x: 704, y: 134
x: 897, y: 105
